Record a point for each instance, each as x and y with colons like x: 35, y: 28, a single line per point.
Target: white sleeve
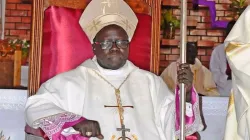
x: 55, y: 97
x: 45, y: 103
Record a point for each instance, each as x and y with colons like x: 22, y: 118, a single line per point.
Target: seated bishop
x: 108, y: 97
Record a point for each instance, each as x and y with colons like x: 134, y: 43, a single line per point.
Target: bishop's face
x: 111, y: 47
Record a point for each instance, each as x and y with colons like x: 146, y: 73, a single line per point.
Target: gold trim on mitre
x: 101, y: 13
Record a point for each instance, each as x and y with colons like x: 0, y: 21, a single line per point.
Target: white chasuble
x: 239, y: 112
x: 149, y: 107
x: 237, y: 51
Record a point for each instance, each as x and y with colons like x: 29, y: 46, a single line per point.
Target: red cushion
x: 140, y: 46
x: 65, y: 45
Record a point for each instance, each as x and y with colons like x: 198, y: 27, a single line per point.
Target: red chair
x: 63, y: 45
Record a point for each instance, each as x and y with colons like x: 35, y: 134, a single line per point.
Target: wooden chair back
x: 10, y: 65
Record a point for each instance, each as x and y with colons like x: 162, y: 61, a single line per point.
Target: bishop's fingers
x: 98, y: 133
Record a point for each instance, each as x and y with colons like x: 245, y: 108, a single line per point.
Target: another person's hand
x: 89, y: 128
x: 185, y: 76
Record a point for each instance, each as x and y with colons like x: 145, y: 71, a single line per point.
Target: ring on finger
x: 88, y: 134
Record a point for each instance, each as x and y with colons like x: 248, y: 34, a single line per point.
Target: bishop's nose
x: 114, y: 47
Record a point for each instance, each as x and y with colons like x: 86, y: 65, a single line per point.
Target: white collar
x: 123, y: 71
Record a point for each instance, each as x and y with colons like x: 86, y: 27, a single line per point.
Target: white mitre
x: 101, y: 13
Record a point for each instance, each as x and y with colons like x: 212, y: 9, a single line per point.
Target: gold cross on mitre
x: 94, y: 25
x: 109, y: 6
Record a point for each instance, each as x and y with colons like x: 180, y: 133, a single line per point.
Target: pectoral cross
x: 120, y: 107
x: 119, y: 101
x: 123, y: 129
x: 117, y: 92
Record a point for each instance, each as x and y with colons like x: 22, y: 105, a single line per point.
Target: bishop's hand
x: 89, y: 128
x: 185, y: 76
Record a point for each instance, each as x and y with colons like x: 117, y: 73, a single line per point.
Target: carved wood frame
x: 37, y: 34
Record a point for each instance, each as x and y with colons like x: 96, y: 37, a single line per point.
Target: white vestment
x: 83, y: 92
x: 218, y: 67
x: 238, y: 52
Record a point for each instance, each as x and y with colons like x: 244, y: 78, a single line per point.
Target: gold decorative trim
x: 235, y: 48
x: 230, y: 104
x: 231, y: 99
x: 231, y: 46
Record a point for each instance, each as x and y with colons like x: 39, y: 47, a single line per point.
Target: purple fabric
x: 189, y: 120
x: 211, y: 4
